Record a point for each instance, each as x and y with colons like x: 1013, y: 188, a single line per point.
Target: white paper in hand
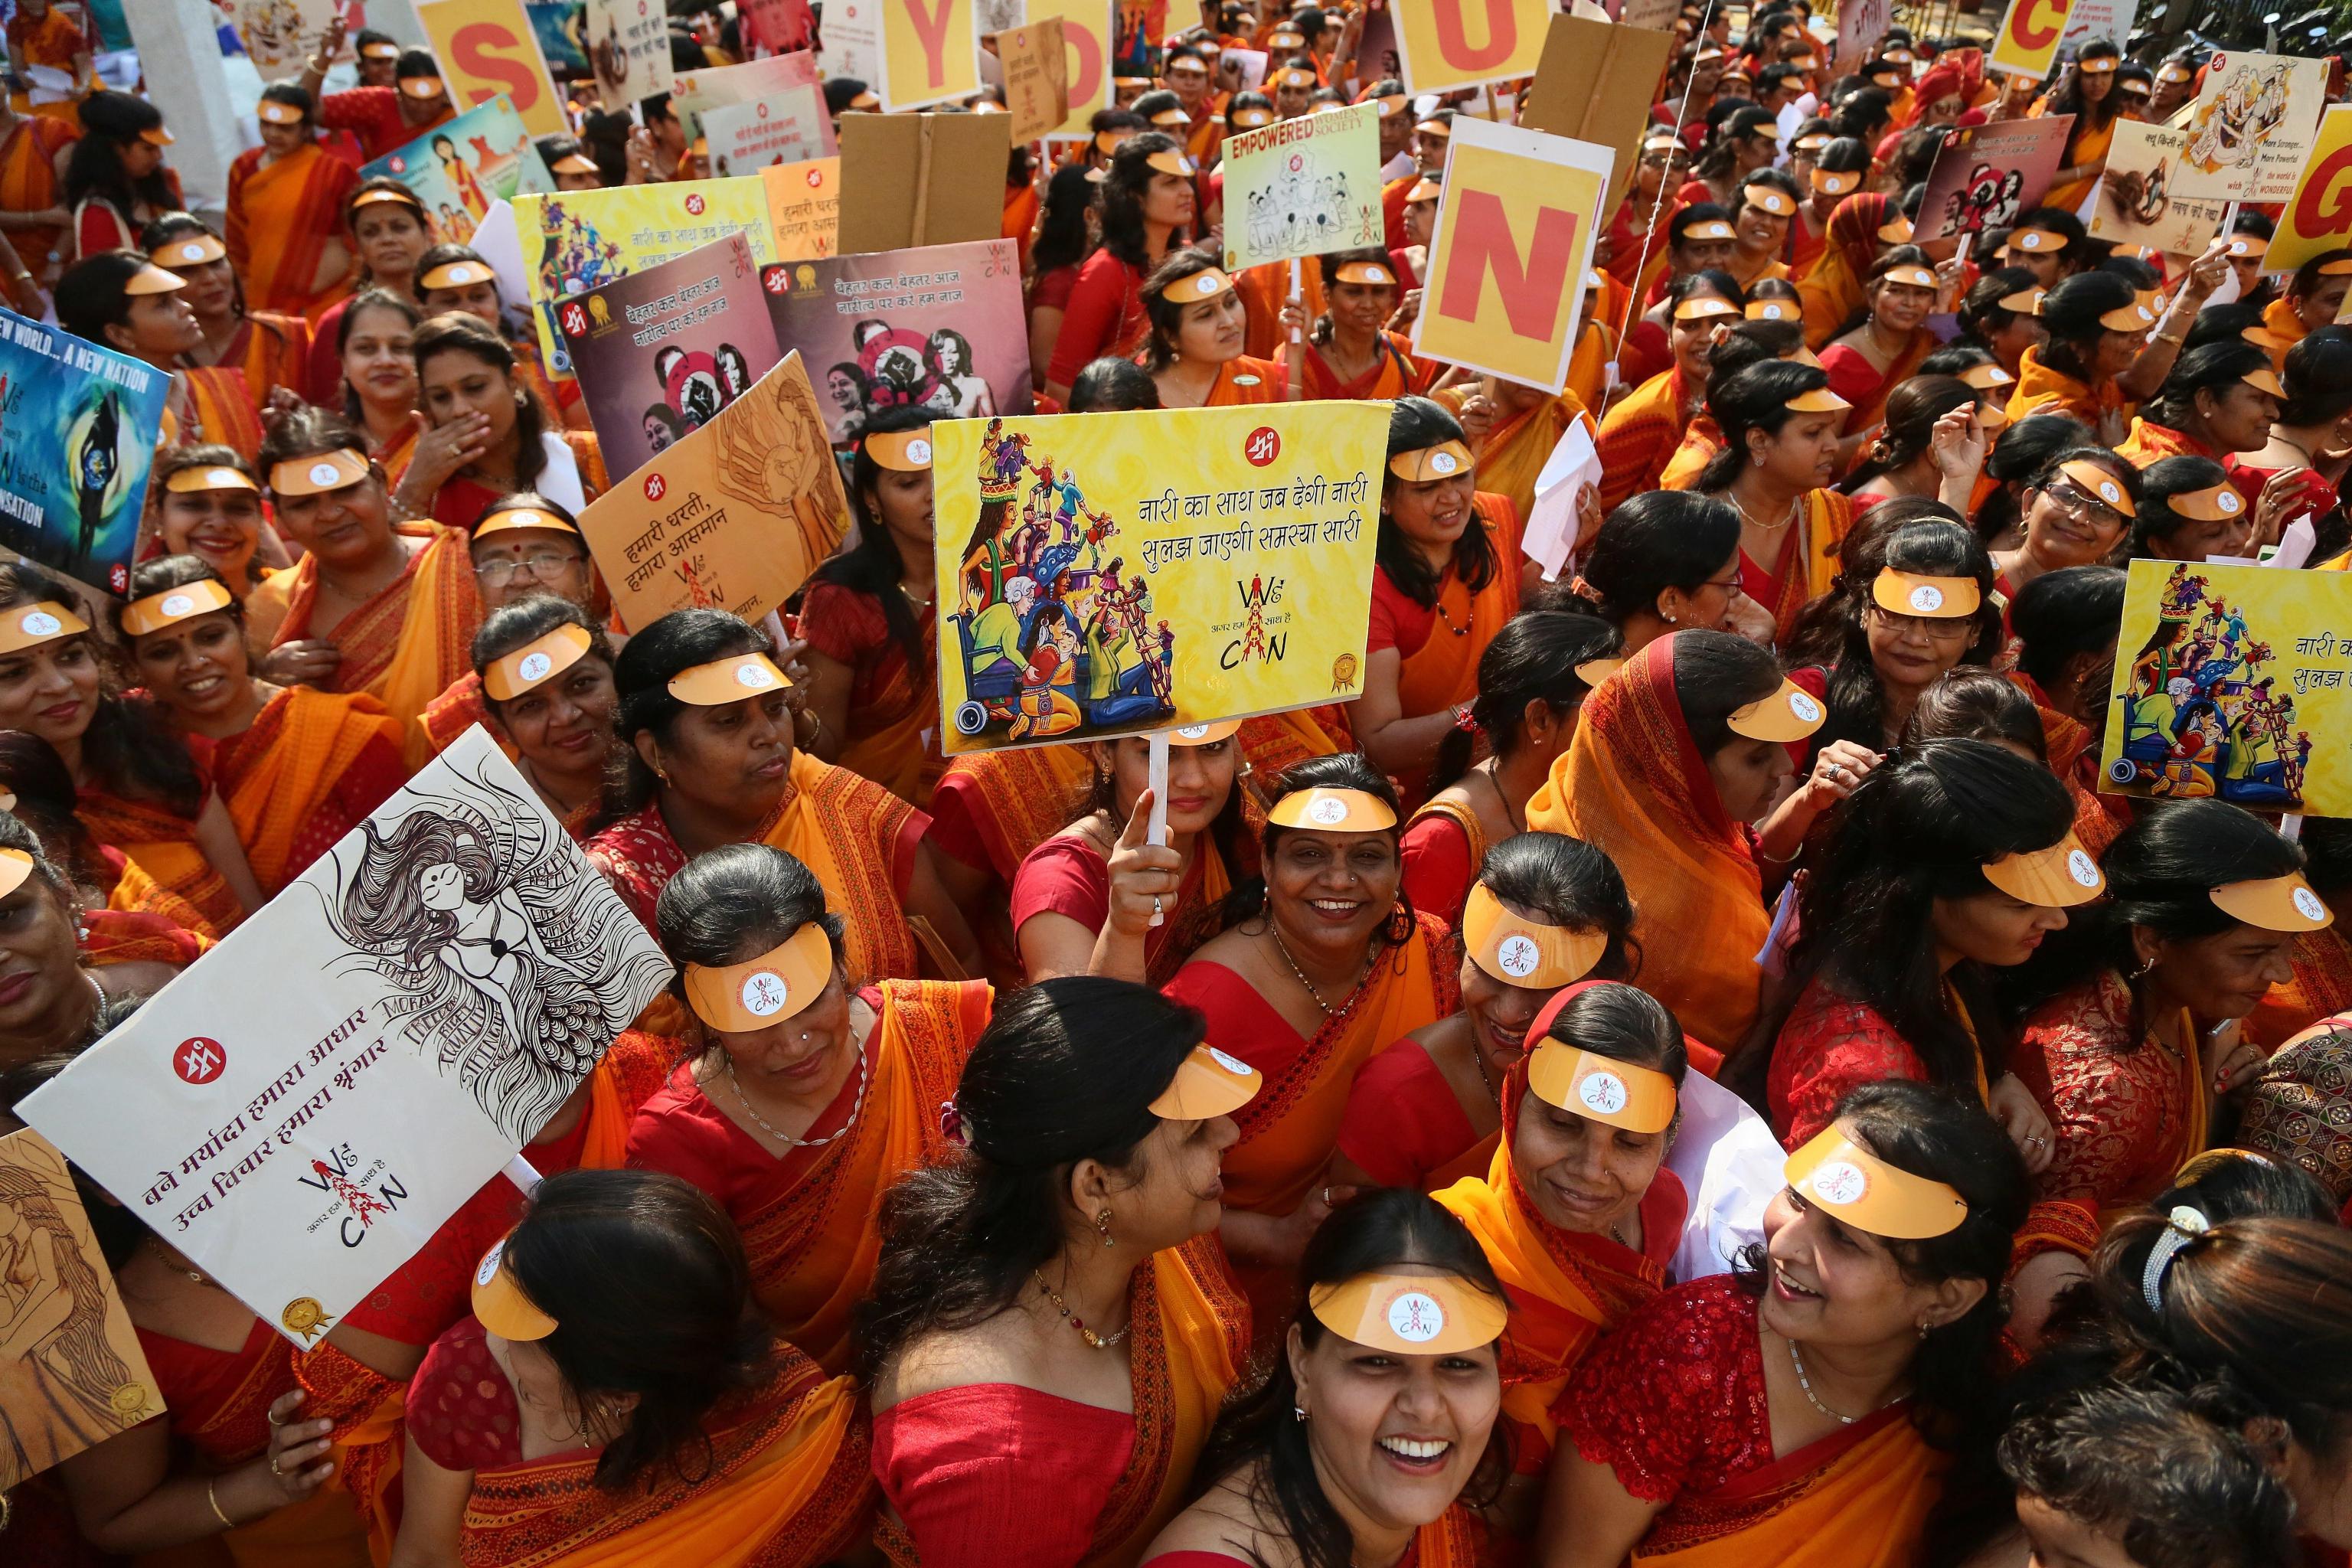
x: 1550, y: 537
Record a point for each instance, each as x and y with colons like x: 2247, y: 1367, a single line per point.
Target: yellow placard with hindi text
x: 930, y: 53
x: 487, y: 47
x: 2319, y: 216
x: 1084, y: 594
x: 803, y: 207
x: 1446, y: 44
x: 2029, y: 37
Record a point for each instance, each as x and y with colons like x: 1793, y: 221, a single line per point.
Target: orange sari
x: 1830, y: 290
x: 1632, y: 784
x: 1702, y: 439
x: 1857, y: 1499
x: 1808, y: 565
x: 1512, y: 457
x: 28, y: 183
x: 1597, y: 342
x: 1393, y: 374
x: 162, y: 844
x: 311, y: 768
x: 285, y: 221
x: 225, y: 408
x: 1443, y: 671
x: 2042, y: 390
x: 2087, y: 145
x: 1638, y: 434
x: 2149, y: 442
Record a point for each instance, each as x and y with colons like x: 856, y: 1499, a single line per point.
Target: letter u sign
x: 1448, y: 44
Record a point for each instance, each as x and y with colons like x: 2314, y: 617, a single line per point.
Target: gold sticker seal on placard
x: 304, y: 1316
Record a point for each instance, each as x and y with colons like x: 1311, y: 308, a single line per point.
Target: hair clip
x: 2181, y: 1227
x: 951, y: 1127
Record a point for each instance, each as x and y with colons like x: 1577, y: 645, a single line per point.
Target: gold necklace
x: 1093, y: 1341
x: 1328, y: 1011
x: 1750, y: 517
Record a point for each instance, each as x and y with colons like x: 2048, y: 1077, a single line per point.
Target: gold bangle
x: 227, y: 1522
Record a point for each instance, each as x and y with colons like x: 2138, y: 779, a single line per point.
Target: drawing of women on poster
x: 2252, y: 127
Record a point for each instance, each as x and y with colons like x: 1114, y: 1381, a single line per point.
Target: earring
x: 1926, y: 1328
x: 1102, y: 1224
x: 1672, y: 619
x: 1298, y: 1412
x: 1758, y: 458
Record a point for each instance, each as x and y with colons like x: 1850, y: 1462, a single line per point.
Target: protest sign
x: 1036, y: 77
x: 930, y: 53
x: 736, y: 515
x: 851, y: 42
x: 1088, y: 29
x: 459, y: 168
x: 1654, y: 16
x: 1443, y: 45
x: 1376, y: 47
x: 922, y: 179
x: 2233, y: 682
x: 659, y: 352
x: 1860, y: 23
x: 78, y: 425
x: 2252, y: 127
x: 745, y: 137
x: 490, y: 47
x: 940, y: 327
x: 2318, y: 217
x: 1515, y: 227
x: 1593, y: 84
x: 1987, y: 176
x: 71, y: 1372
x: 2028, y: 41
x: 494, y: 241
x: 462, y: 967
x: 788, y: 82
x: 2137, y: 204
x: 628, y: 49
x: 1091, y: 597
x: 561, y: 29
x: 580, y: 240
x: 1303, y: 187
x: 279, y: 35
x: 2091, y: 20
x: 777, y: 27
x: 804, y: 208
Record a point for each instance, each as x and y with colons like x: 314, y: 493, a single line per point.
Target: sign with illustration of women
x: 459, y: 168
x: 2138, y: 203
x: 2253, y: 124
x: 1303, y: 187
x: 307, y: 1104
x: 1987, y: 176
x: 71, y: 1372
x: 79, y: 429
x: 1104, y: 574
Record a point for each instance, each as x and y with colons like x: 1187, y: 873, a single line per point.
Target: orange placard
x: 487, y: 47
x: 803, y: 207
x: 930, y: 53
x: 2029, y: 36
x: 2318, y: 217
x: 1445, y: 44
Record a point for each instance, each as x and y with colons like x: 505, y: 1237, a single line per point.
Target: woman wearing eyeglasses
x: 2076, y: 511
x: 524, y: 544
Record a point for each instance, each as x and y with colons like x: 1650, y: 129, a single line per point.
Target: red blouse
x: 1830, y: 1044
x: 461, y: 1410
x: 993, y: 1474
x: 1438, y: 870
x: 1402, y: 1124
x: 1674, y: 1401
x: 850, y: 627
x: 1105, y: 314
x: 2120, y: 1106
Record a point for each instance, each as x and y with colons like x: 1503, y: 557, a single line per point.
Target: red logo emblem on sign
x: 1263, y: 446
x: 779, y: 281
x: 399, y: 166
x: 199, y: 1061
x: 694, y: 203
x: 576, y: 320
x: 118, y: 577
x: 815, y: 177
x: 1297, y: 161
x: 654, y: 487
x: 762, y: 109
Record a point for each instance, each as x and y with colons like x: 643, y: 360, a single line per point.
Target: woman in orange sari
x: 2087, y: 92
x: 1546, y: 911
x: 1199, y: 328
x: 388, y: 611
x: 2221, y: 399
x: 611, y: 1320
x: 1830, y: 290
x: 246, y: 356
x: 2313, y: 298
x: 1446, y: 578
x: 546, y: 673
x: 523, y: 546
x: 714, y: 761
x: 1781, y: 423
x: 374, y: 345
x: 1795, y: 1403
x: 805, y: 1094
x: 1513, y: 428
x: 1640, y: 432
x: 1866, y: 363
x: 2135, y: 1046
x: 33, y: 218
x: 1050, y: 1332
x: 2098, y: 331
x: 298, y: 768
x: 1350, y: 351
x: 286, y: 210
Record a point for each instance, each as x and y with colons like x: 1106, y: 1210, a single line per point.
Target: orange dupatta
x: 225, y: 408
x: 2148, y: 442
x: 846, y: 828
x: 2042, y: 390
x: 814, y: 1244
x: 1443, y: 671
x: 1809, y: 563
x: 275, y: 777
x: 2088, y: 145
x: 284, y: 218
x: 1018, y: 798
x: 1857, y: 1499
x: 1829, y: 290
x: 1637, y: 437
x: 162, y: 844
x: 1632, y: 784
x: 1702, y: 439
x: 895, y: 734
x: 1597, y: 342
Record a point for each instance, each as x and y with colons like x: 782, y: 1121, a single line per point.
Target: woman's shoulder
x: 1220, y: 1526
x: 2091, y: 1016
x: 981, y: 1370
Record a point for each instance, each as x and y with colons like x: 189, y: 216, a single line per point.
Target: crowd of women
x: 1685, y: 1067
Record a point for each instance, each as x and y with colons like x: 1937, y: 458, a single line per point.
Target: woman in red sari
x: 2135, y: 1045
x: 1425, y: 1112
x: 546, y: 670
x: 488, y: 435
x: 286, y: 209
x: 455, y: 277
x: 53, y: 1001
x: 245, y: 354
x: 1386, y: 1392
x: 1050, y: 1332
x: 1746, y: 1418
x: 375, y: 373
x: 1350, y: 351
x: 1781, y: 423
x: 1974, y: 703
x: 522, y: 546
x: 1148, y: 207
x: 1873, y: 358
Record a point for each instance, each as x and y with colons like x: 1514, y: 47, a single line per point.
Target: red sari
x: 894, y: 709
x: 1067, y: 876
x: 1403, y: 1127
x: 2126, y: 1111
x: 1828, y: 1045
x: 1394, y: 373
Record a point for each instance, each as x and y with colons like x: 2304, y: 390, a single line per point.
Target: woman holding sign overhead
x: 1147, y: 205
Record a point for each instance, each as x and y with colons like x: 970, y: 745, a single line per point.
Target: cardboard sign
x: 1987, y: 176
x: 2235, y: 682
x: 1503, y: 290
x: 736, y: 515
x: 922, y: 179
x: 2252, y: 126
x: 1088, y: 29
x: 1036, y: 77
x: 1594, y: 85
x: 578, y: 240
x: 458, y: 169
x: 462, y: 967
x: 279, y: 35
x: 745, y: 137
x: 939, y: 328
x: 2318, y: 217
x: 804, y: 208
x: 777, y: 27
x: 792, y: 78
x: 2029, y: 37
x: 1860, y: 23
x: 2137, y: 204
x: 561, y: 29
x: 628, y: 49
x: 78, y: 425
x: 1091, y: 589
x: 488, y: 47
x: 1446, y: 44
x: 930, y: 53
x: 659, y: 352
x: 71, y: 1372
x: 1303, y: 187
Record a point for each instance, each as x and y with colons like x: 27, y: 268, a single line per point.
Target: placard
x: 1036, y: 77
x: 1514, y: 234
x: 804, y: 208
x: 1447, y: 44
x: 280, y: 35
x: 939, y: 328
x: 1860, y: 23
x: 745, y: 137
x: 777, y: 27
x: 1303, y: 187
x: 561, y: 29
x: 578, y: 240
x: 851, y: 42
x: 2318, y: 217
x: 459, y: 168
x: 2029, y: 33
x: 1104, y: 574
x: 71, y: 1372
x: 2093, y: 19
x: 659, y: 352
x: 791, y: 76
x: 1088, y: 29
x: 1594, y: 84
x: 462, y: 967
x: 628, y: 49
x: 1988, y: 176
x: 923, y: 179
x: 2252, y: 127
x: 930, y: 53
x: 735, y: 516
x: 2137, y: 204
x: 490, y: 47
x: 2233, y: 682
x: 78, y: 425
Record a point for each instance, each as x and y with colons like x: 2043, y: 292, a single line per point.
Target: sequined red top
x: 1674, y: 1401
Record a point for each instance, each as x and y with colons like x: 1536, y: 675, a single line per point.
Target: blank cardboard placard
x: 1036, y: 77
x: 922, y: 179
x: 1593, y: 84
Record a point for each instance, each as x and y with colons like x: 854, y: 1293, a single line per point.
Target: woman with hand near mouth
x: 1372, y: 1442
x: 523, y: 546
x: 1097, y: 898
x: 1781, y: 423
x: 298, y: 768
x: 482, y: 432
x: 708, y: 719
x: 1754, y: 1417
x: 805, y: 1094
x: 207, y: 503
x: 1547, y: 910
x: 1051, y: 1332
x: 2078, y: 509
x: 1199, y: 328
x: 2137, y: 1043
x: 375, y: 334
x: 546, y: 674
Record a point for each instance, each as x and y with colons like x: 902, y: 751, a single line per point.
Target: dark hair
x: 2112, y: 463
x: 2070, y: 312
x: 305, y: 430
x: 1716, y: 673
x: 169, y: 227
x: 2018, y: 454
x: 1067, y: 1070
x: 525, y: 621
x: 202, y: 454
x: 91, y: 297
x: 1163, y: 314
x: 1569, y: 883
x: 94, y: 168
x: 443, y: 254
x: 1110, y: 383
x: 1818, y: 635
x: 735, y: 902
x: 1655, y: 541
x: 1753, y: 342
x: 2207, y: 369
x: 2228, y: 1183
x: 1981, y: 313
x: 1122, y: 196
x: 872, y: 565
x: 1380, y: 1229
x: 1532, y: 658
x: 1340, y: 770
x: 1626, y: 1025
x: 1415, y: 423
x: 1755, y: 398
x: 453, y: 331
x: 651, y: 1294
x: 292, y: 93
x: 163, y: 573
x: 671, y: 644
x: 2059, y: 614
x: 31, y: 770
x: 1718, y: 157
x: 1691, y: 216
x: 1855, y: 698
x: 1912, y: 410
x: 2227, y: 323
x: 2163, y: 479
x: 16, y: 832
x: 1973, y: 703
x: 2318, y: 376
x: 2068, y: 97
